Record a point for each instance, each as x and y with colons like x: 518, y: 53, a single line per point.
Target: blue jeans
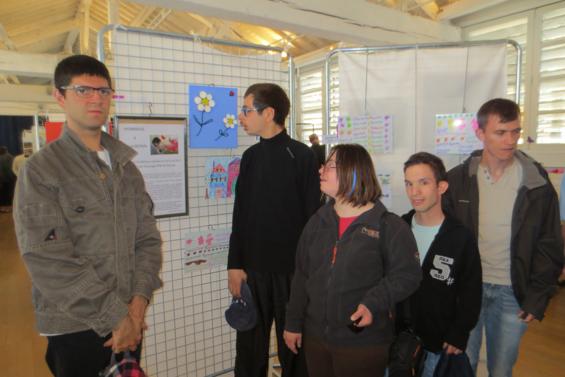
x: 430, y: 363
x: 503, y: 329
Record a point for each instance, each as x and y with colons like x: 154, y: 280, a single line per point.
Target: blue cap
x: 241, y: 314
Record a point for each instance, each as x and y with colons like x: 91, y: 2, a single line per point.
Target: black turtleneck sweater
x: 277, y: 191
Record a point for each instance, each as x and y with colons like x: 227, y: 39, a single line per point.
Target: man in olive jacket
x: 86, y: 231
x: 507, y: 200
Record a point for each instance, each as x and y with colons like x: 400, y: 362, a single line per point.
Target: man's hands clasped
x: 128, y: 333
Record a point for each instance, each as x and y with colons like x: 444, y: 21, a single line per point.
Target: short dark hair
x: 434, y: 162
x: 270, y: 95
x: 507, y: 110
x: 358, y: 184
x: 155, y: 141
x: 77, y: 65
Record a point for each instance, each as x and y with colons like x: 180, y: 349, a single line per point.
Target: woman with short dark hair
x: 354, y: 262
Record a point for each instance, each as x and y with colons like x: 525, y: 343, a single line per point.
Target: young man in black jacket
x: 277, y: 191
x: 446, y: 307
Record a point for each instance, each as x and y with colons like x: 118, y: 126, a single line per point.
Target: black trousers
x: 7, y: 192
x: 326, y: 360
x: 271, y: 292
x: 80, y: 354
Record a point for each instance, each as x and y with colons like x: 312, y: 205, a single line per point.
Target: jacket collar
x: 532, y: 176
x: 372, y: 216
x: 119, y: 152
x: 448, y: 223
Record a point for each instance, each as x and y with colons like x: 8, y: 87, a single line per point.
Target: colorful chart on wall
x: 205, y: 249
x: 455, y: 133
x: 374, y: 132
x: 212, y: 114
x: 221, y: 176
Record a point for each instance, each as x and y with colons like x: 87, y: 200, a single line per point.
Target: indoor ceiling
x: 70, y: 26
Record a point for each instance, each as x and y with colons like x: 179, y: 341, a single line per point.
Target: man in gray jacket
x: 507, y: 200
x: 86, y: 231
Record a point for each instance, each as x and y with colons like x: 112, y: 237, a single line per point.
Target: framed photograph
x: 160, y: 144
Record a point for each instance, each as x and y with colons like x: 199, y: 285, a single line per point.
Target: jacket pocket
x: 88, y: 217
x: 38, y: 224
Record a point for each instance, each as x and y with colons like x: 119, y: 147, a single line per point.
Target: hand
x: 293, y: 340
x: 235, y: 278
x: 526, y: 317
x: 365, y: 314
x: 451, y: 350
x: 125, y: 336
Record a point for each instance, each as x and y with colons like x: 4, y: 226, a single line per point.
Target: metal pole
x: 419, y: 46
x: 292, y: 95
x: 36, y: 126
x: 518, y: 49
x: 328, y: 92
x: 193, y: 37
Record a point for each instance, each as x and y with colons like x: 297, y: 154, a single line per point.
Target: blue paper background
x: 225, y: 103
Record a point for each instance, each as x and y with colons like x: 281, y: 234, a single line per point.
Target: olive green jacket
x: 87, y: 235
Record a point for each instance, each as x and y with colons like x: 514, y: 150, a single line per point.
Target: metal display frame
x: 367, y: 50
x: 203, y: 39
x: 188, y: 334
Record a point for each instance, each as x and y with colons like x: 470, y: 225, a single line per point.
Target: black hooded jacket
x: 446, y: 306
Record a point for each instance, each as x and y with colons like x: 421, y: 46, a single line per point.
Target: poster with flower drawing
x: 212, y: 112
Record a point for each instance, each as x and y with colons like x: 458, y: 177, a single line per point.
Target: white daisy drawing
x: 204, y: 102
x: 229, y: 121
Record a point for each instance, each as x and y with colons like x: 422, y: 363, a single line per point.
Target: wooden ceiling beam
x: 84, y: 10
x: 26, y: 93
x: 429, y: 7
x: 10, y: 46
x: 464, y: 7
x: 5, y: 39
x: 44, y: 33
x: 113, y: 11
x: 159, y: 18
x: 202, y: 20
x: 27, y: 64
x: 355, y: 21
x: 142, y: 16
x: 71, y: 40
x: 39, y: 9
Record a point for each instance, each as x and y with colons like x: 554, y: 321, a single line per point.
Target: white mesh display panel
x: 187, y: 333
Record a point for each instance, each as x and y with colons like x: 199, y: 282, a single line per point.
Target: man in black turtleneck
x: 277, y: 191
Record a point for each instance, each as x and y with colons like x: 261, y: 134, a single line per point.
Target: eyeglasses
x: 246, y: 110
x: 84, y: 91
